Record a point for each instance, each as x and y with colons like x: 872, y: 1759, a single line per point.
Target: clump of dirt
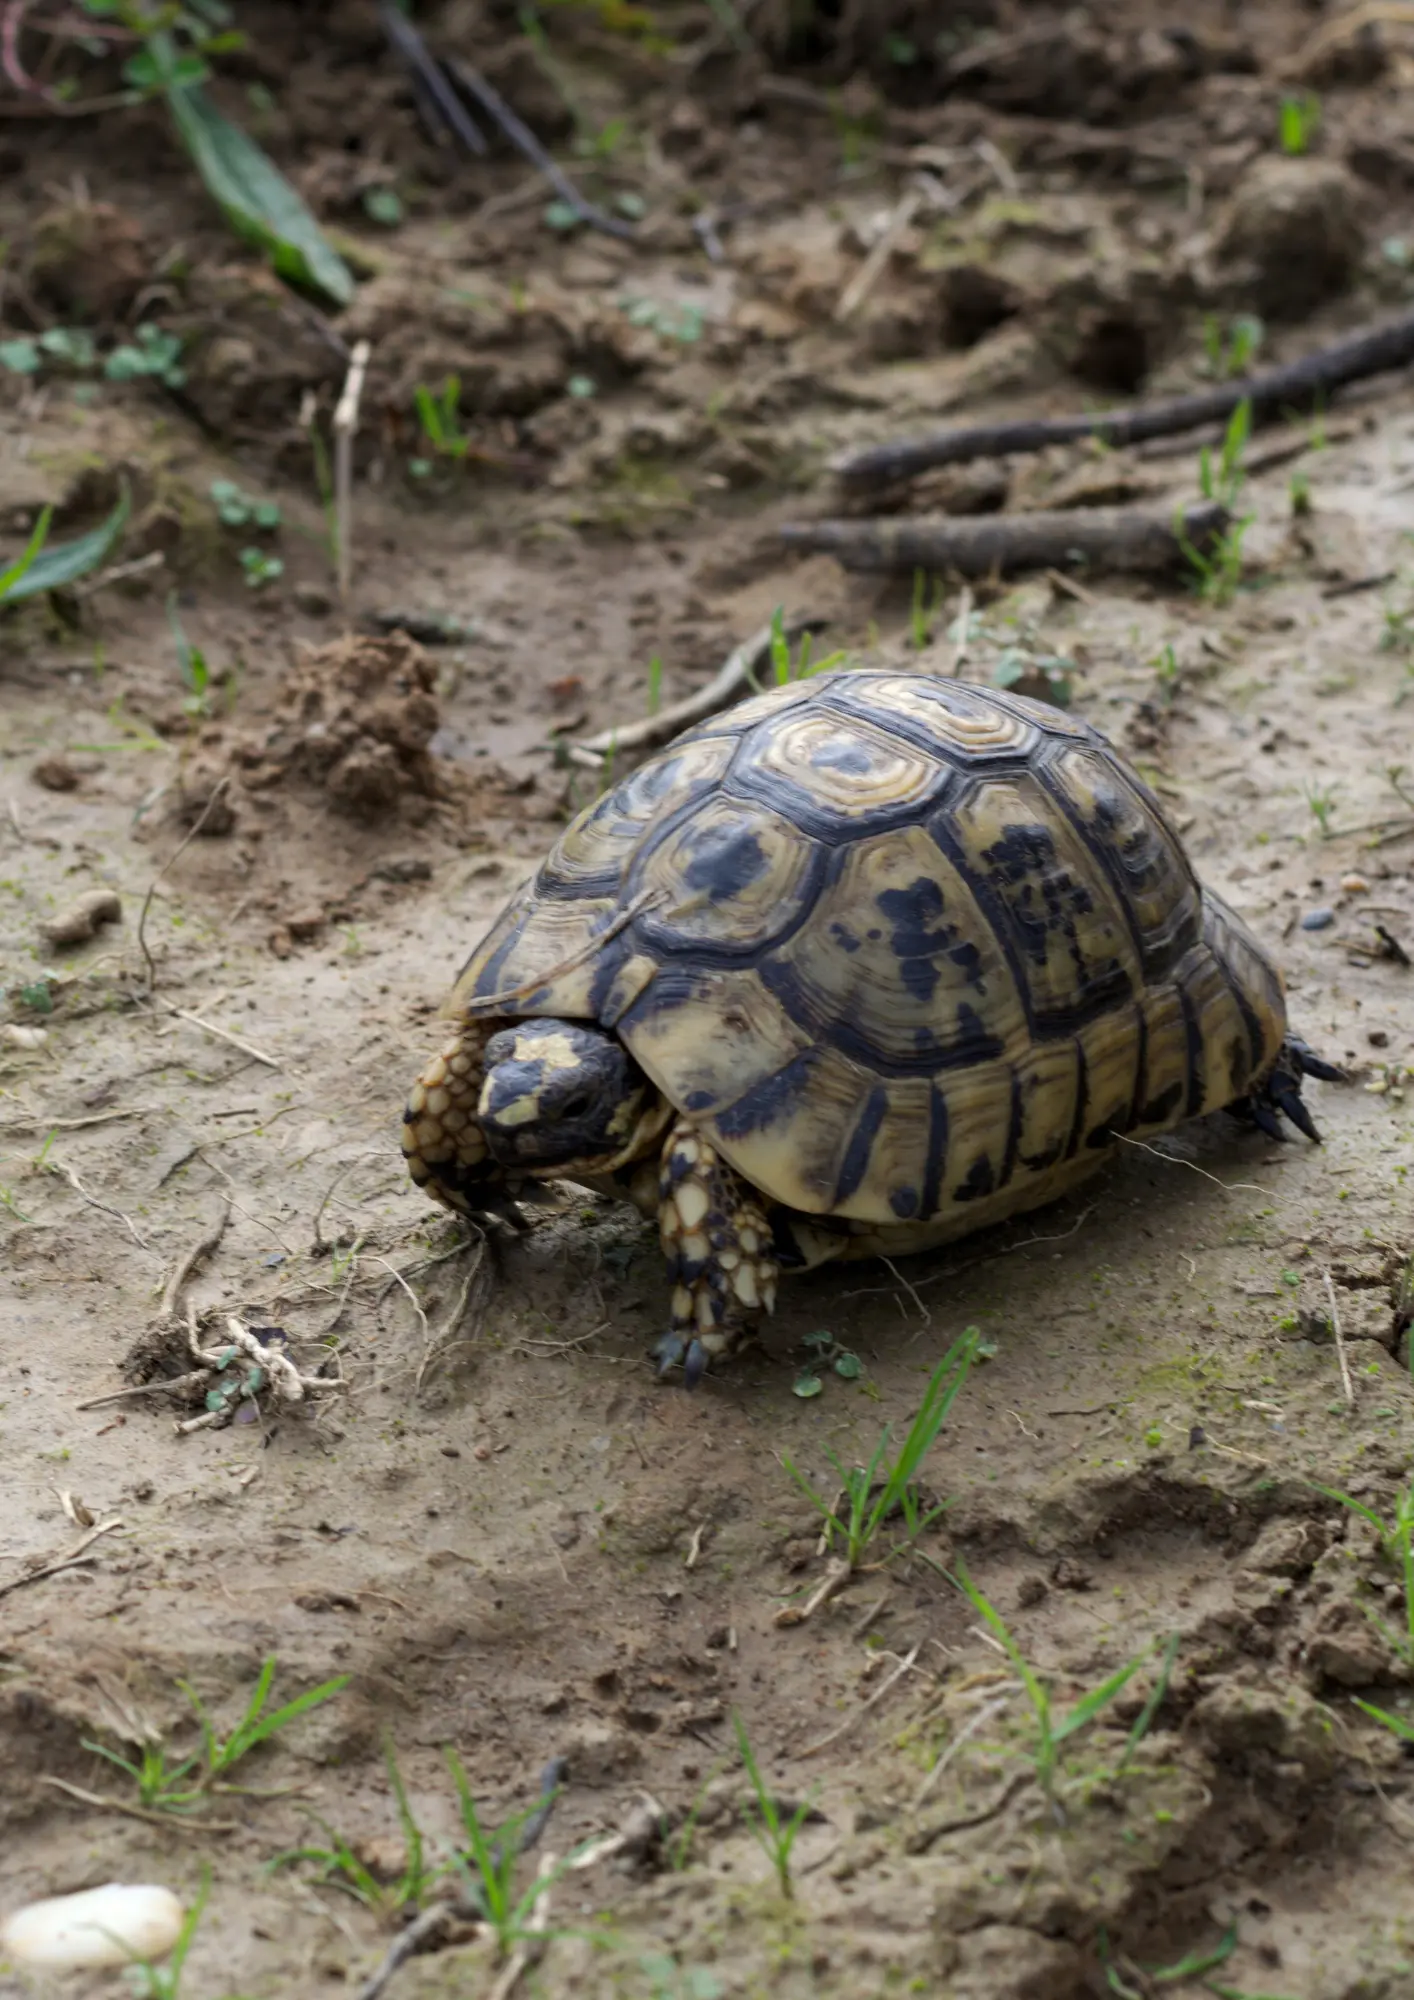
x: 1291, y: 235
x: 355, y: 719
x: 88, y: 261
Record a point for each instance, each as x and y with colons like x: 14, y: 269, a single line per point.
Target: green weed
x: 237, y: 509
x: 1229, y: 350
x: 1217, y: 572
x: 1298, y: 122
x: 171, y: 1788
x: 153, y: 354
x: 796, y: 664
x: 1320, y: 800
x: 487, y: 1867
x: 343, y: 1869
x: 191, y: 664
x: 1192, y: 1966
x: 1051, y: 1732
x: 927, y: 601
x: 873, y: 1492
x: 440, y: 418
x: 260, y: 567
x: 777, y: 1836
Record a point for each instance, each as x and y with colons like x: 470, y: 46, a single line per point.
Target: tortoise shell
x: 905, y: 948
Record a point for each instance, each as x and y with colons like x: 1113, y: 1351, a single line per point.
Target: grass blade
x: 1400, y: 1724
x: 43, y: 568
x: 1151, y: 1707
x: 1089, y: 1705
x: 255, y: 197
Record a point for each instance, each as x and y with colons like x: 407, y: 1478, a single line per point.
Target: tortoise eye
x: 576, y: 1106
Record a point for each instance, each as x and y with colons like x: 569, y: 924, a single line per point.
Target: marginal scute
x: 909, y: 955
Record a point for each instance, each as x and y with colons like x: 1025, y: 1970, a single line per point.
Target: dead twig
x: 168, y: 1385
x: 731, y: 680
x: 428, y: 1931
x: 77, y: 1554
x: 964, y: 1736
x: 533, y: 1940
x: 830, y: 1585
x: 1122, y: 538
x: 105, y: 1208
x: 222, y: 1035
x: 872, y: 269
x: 1339, y: 1338
x: 169, y: 863
x: 345, y: 428
x: 1271, y: 392
x: 188, y: 1261
x: 169, y: 1820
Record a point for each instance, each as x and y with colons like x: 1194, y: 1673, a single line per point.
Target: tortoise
x: 863, y: 965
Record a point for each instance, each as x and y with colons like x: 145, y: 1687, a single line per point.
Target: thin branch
x: 1272, y: 392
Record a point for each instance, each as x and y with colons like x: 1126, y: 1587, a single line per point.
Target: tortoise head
x: 560, y: 1092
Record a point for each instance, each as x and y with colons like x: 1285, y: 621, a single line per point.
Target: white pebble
x: 24, y: 1038
x: 107, y: 1926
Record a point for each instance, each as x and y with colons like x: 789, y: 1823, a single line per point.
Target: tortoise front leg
x: 720, y: 1253
x: 442, y: 1142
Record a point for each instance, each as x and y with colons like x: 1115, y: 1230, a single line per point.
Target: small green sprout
x: 776, y: 1835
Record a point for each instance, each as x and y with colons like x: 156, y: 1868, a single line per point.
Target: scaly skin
x: 718, y: 1244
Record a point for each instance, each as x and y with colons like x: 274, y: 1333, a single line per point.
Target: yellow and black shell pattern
x: 911, y: 952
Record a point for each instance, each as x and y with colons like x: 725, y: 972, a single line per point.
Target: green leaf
x: 1400, y: 1724
x: 63, y: 562
x: 257, y: 200
x: 562, y: 215
x: 848, y: 1366
x: 806, y: 1385
x: 384, y: 205
x: 1089, y: 1706
x: 20, y: 356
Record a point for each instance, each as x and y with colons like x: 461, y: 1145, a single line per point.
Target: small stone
x: 279, y: 942
x: 1354, y: 885
x: 1378, y: 1038
x: 313, y: 599
x: 1030, y: 1591
x: 306, y: 924
x: 1319, y: 919
x: 108, y: 1926
x: 23, y: 1038
x: 83, y: 918
x: 56, y: 774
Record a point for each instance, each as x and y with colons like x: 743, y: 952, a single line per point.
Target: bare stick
x: 721, y: 691
x: 872, y: 269
x: 176, y: 1284
x: 1271, y: 392
x: 105, y: 1208
x: 1345, y: 29
x: 76, y: 1554
x: 525, y: 141
x: 222, y: 1035
x: 345, y: 427
x: 164, y: 1385
x: 425, y: 1933
x: 172, y: 859
x: 831, y: 1584
x: 1124, y: 538
x: 1345, y: 1380
x: 139, y: 1812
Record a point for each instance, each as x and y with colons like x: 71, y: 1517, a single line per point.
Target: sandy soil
x: 494, y: 1519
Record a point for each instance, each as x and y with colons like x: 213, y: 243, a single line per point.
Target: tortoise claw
x: 695, y: 1366
x: 670, y: 1352
x: 1265, y: 1119
x: 1289, y: 1104
x: 1309, y: 1063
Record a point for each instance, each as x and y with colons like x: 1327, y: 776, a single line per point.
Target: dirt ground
x: 508, y: 1534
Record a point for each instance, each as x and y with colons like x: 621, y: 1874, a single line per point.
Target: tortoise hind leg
x: 442, y: 1143
x: 1278, y: 1095
x: 718, y: 1243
